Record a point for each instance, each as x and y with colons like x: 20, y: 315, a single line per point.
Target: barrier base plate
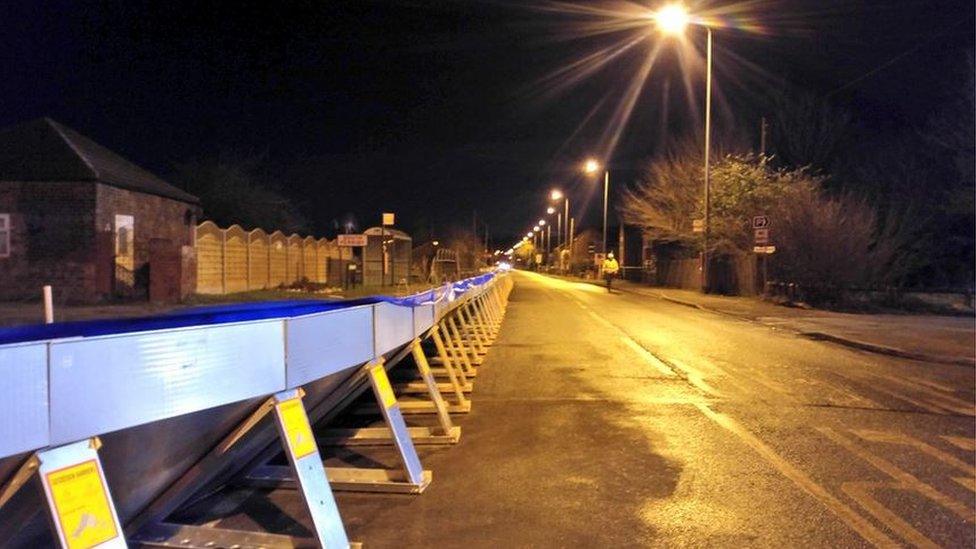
x: 345, y: 479
x: 163, y: 534
x: 411, y: 407
x: 419, y: 387
x: 380, y: 436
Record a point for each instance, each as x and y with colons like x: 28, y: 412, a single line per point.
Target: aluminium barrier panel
x: 102, y: 384
x: 325, y: 343
x: 392, y: 327
x: 24, y: 402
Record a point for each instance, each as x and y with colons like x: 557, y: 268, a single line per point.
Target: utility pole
x: 762, y: 137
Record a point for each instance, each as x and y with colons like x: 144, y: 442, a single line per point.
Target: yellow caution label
x: 81, y: 505
x: 297, y: 430
x: 382, y: 384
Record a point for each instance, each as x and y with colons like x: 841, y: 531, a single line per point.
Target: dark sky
x: 433, y: 109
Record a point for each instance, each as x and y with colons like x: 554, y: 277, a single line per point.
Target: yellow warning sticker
x: 297, y: 430
x: 382, y: 384
x: 81, y: 505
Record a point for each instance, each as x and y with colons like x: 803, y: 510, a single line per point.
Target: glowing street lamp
x: 535, y: 229
x: 672, y: 20
x: 542, y: 222
x: 550, y: 210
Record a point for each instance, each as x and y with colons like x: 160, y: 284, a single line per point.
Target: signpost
x: 762, y: 236
x: 352, y: 240
x: 388, y: 220
x: 761, y: 245
x: 697, y: 225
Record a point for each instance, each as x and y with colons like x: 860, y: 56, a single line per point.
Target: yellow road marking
x: 905, y: 440
x: 961, y: 442
x: 857, y: 522
x: 861, y: 493
x: 966, y: 482
x: 647, y: 356
x: 906, y: 479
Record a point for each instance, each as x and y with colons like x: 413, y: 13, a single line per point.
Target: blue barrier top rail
x: 222, y: 314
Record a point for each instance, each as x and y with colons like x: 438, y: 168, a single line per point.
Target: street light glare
x: 672, y: 19
x: 556, y: 194
x: 591, y: 166
x: 550, y: 210
x: 535, y: 229
x: 542, y: 222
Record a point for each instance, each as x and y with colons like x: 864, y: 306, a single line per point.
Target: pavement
x: 615, y: 420
x: 932, y: 338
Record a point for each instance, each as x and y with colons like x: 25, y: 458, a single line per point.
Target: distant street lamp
x: 550, y: 210
x: 672, y: 20
x: 591, y: 167
x: 556, y: 195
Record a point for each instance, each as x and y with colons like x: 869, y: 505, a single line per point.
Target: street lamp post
x: 673, y: 19
x: 708, y: 146
x: 592, y: 166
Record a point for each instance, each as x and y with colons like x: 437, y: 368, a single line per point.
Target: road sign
x: 762, y: 236
x: 760, y: 222
x: 697, y: 225
x: 388, y: 218
x: 352, y: 240
x: 764, y: 249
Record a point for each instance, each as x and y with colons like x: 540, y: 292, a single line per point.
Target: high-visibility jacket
x: 610, y: 266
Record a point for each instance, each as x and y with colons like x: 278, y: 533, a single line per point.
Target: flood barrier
x: 122, y: 422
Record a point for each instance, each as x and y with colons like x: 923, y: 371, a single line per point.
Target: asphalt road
x: 626, y: 421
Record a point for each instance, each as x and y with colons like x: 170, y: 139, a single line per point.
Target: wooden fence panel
x: 279, y: 260
x: 322, y: 266
x: 309, y: 259
x: 294, y: 259
x: 210, y: 258
x: 258, y: 260
x: 235, y: 260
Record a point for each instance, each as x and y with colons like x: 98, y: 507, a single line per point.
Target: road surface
x: 625, y: 421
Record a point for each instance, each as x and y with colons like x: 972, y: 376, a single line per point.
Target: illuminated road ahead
x: 621, y: 420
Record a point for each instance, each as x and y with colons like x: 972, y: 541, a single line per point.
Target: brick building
x: 95, y: 226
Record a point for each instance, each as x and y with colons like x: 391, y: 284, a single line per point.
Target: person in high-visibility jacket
x: 610, y: 269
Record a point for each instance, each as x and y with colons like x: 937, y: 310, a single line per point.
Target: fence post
x: 223, y: 261
x: 247, y: 282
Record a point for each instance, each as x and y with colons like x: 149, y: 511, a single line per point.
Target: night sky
x: 433, y: 109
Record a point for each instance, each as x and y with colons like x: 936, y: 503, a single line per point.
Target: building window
x: 4, y: 235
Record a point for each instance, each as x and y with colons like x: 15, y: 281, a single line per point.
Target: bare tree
x: 807, y: 130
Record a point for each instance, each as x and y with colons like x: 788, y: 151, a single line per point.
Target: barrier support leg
x: 457, y: 349
x: 304, y: 467
x: 478, y: 322
x: 448, y: 362
x: 410, y: 479
x: 456, y: 377
x: 445, y: 433
x: 469, y: 354
x: 487, y: 323
x: 79, y: 505
x: 468, y: 329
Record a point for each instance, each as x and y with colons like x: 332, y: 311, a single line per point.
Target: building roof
x: 44, y: 150
x: 388, y: 231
